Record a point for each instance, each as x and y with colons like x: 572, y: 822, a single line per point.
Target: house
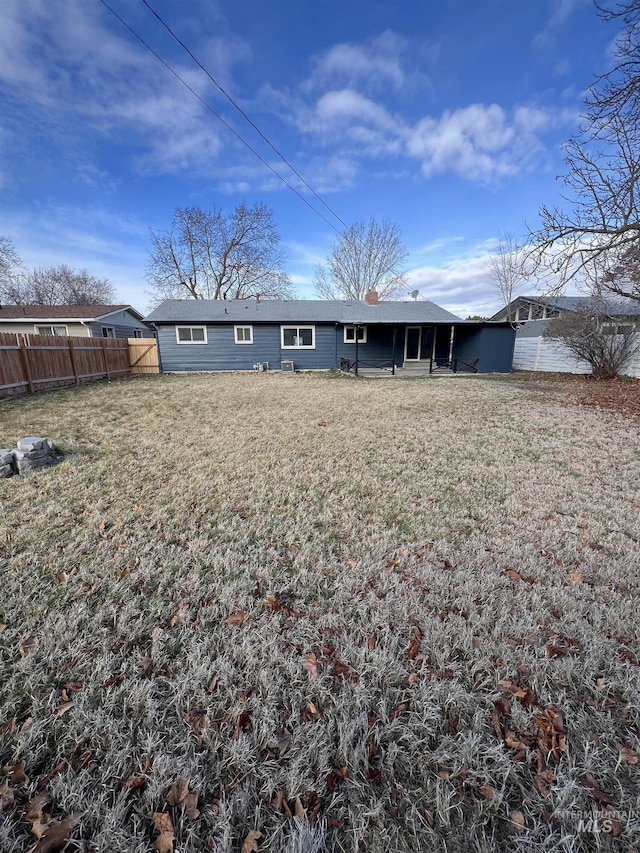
x: 322, y: 334
x: 106, y: 321
x: 531, y: 314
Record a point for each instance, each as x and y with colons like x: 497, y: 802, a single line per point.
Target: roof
x: 15, y: 313
x: 614, y: 305
x: 298, y: 311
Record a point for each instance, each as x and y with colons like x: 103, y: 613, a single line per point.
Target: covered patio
x: 435, y: 349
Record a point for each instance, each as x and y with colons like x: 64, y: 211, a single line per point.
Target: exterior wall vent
x: 286, y: 366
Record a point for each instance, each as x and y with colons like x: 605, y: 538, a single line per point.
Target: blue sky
x: 446, y: 117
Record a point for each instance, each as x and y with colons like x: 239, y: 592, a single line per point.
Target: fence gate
x: 143, y: 355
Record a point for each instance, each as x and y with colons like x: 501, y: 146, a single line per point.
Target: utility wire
x: 219, y: 117
x: 241, y: 111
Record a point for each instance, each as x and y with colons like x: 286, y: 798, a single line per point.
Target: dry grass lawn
x: 356, y: 615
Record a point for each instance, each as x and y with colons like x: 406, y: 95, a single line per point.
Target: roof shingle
x: 298, y: 311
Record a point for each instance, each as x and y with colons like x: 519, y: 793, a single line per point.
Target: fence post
x: 72, y: 356
x: 25, y: 362
x: 103, y: 343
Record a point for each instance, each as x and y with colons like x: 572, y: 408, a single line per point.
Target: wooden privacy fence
x: 35, y: 362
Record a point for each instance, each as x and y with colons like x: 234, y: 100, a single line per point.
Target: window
x: 137, y: 333
x: 298, y: 337
x: 108, y: 332
x: 350, y: 334
x: 52, y: 330
x: 243, y: 334
x: 191, y: 334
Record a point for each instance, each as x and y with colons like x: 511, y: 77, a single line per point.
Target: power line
x: 219, y: 117
x: 241, y: 111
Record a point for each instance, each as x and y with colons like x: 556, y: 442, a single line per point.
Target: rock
x: 31, y: 442
x: 26, y: 465
x: 32, y: 455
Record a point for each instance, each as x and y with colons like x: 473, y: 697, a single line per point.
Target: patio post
x: 355, y: 370
x: 393, y: 363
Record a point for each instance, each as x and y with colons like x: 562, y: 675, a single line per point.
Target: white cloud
x: 479, y: 142
x: 373, y: 65
x: 560, y: 14
x: 77, y: 66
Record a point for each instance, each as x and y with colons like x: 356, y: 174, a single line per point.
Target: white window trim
x: 235, y: 334
x: 137, y: 333
x: 51, y: 326
x: 297, y: 328
x: 360, y: 330
x: 191, y: 343
x: 108, y: 329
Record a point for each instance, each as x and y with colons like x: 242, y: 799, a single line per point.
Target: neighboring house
x: 321, y: 334
x: 97, y: 321
x: 531, y: 314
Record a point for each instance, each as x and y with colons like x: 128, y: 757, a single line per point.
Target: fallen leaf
x: 211, y: 686
x: 164, y: 831
x: 191, y: 805
x: 576, y: 577
x: 250, y: 844
x: 311, y: 665
x: 596, y: 791
x: 178, y: 792
x: 235, y: 620
x: 61, y: 710
x: 398, y: 711
x: 543, y: 782
x: 627, y: 753
x: 299, y: 810
x: 198, y: 720
x: 134, y: 783
x: 413, y: 649
x: 146, y: 665
x: 6, y: 796
x: 488, y: 791
x: 28, y: 645
x: 517, y: 819
x: 36, y: 814
x: 16, y: 774
x: 56, y: 836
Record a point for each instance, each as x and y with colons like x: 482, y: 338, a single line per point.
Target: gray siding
x: 493, y: 345
x: 123, y: 322
x: 222, y: 353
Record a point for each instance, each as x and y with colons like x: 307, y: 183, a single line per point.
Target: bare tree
x: 616, y: 91
x: 59, y: 285
x: 367, y: 256
x: 623, y: 277
x: 10, y: 262
x: 602, y: 219
x: 214, y: 255
x: 507, y: 269
x: 606, y: 342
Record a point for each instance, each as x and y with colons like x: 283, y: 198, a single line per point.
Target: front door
x: 418, y: 343
x: 412, y: 341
